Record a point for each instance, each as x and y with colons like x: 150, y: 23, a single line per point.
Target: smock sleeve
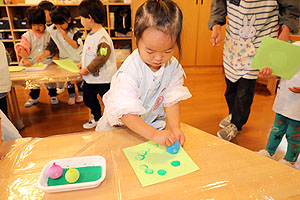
x: 24, y: 44
x: 123, y: 98
x: 176, y: 91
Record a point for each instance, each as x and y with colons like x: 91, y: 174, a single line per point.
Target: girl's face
x: 156, y: 47
x: 38, y: 28
x: 86, y: 22
x: 63, y: 26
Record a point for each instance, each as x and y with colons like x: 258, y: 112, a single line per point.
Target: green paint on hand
x: 161, y: 172
x: 149, y: 171
x: 175, y: 163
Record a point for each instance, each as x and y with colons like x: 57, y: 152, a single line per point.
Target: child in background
x: 32, y: 44
x: 150, y: 79
x: 98, y: 58
x: 287, y: 118
x: 5, y: 83
x: 47, y: 6
x: 67, y: 39
x: 248, y: 22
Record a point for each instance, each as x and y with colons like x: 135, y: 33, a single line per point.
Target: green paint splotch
x: 161, y: 172
x: 175, y: 163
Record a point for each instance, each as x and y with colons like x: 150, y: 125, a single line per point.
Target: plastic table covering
x: 227, y: 171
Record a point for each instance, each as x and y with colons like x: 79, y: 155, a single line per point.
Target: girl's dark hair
x: 35, y: 15
x: 164, y: 15
x: 94, y: 8
x: 45, y: 5
x: 60, y: 15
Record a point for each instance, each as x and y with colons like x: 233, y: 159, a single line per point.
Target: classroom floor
x: 204, y: 111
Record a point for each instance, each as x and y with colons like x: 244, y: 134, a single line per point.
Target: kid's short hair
x: 45, y: 5
x: 164, y: 15
x: 94, y: 8
x: 35, y: 15
x: 60, y: 15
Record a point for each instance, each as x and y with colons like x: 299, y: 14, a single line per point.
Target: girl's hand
x: 62, y: 32
x: 39, y: 58
x: 266, y: 72
x: 295, y: 89
x: 164, y: 137
x: 216, y: 36
x: 285, y: 34
x: 84, y: 72
x: 179, y: 136
x: 79, y: 66
x: 27, y: 63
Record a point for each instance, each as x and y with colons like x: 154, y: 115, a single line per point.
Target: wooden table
x: 227, y: 171
x: 51, y: 74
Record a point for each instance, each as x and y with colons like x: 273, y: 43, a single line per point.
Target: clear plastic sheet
x: 227, y: 171
x: 51, y: 74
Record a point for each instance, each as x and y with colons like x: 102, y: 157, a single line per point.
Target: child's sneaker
x: 228, y: 133
x: 79, y: 99
x: 31, y: 102
x: 54, y: 100
x: 285, y: 162
x: 226, y: 121
x: 265, y: 153
x: 90, y: 124
x: 71, y: 101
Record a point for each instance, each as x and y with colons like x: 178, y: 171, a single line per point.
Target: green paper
x: 282, y: 57
x: 15, y: 68
x: 67, y: 64
x: 153, y: 164
x: 87, y: 174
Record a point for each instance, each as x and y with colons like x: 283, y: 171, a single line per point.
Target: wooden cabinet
x: 196, y: 47
x: 12, y: 35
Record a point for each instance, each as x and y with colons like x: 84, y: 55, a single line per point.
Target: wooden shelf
x: 20, y: 30
x: 121, y: 38
x: 5, y: 30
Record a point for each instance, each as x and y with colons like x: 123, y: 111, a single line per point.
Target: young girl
x: 32, y: 44
x: 150, y: 79
x: 5, y: 83
x: 248, y: 23
x: 287, y: 118
x: 67, y: 39
x: 98, y: 59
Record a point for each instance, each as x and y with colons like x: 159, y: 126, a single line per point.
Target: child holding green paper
x: 287, y: 118
x: 247, y: 23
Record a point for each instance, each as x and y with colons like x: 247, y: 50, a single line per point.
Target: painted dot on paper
x: 139, y: 157
x: 142, y: 153
x: 143, y: 167
x: 161, y: 172
x: 175, y: 163
x: 149, y: 171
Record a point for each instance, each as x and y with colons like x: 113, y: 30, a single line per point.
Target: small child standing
x: 248, y: 22
x: 287, y: 118
x: 5, y: 83
x: 98, y: 58
x: 150, y: 79
x: 67, y: 39
x: 32, y: 44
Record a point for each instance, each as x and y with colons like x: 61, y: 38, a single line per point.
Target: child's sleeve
x: 24, y: 44
x: 123, y: 98
x: 103, y: 54
x: 218, y: 13
x: 289, y: 11
x: 176, y: 92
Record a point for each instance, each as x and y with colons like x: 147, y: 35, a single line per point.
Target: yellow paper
x: 67, y: 64
x: 153, y: 164
x: 15, y: 68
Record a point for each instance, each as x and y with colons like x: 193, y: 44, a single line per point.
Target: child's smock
x: 136, y: 89
x: 66, y: 51
x: 105, y: 73
x: 34, y: 44
x: 287, y: 103
x: 5, y: 83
